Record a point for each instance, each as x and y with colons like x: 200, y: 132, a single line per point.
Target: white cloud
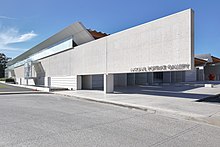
x: 5, y: 17
x: 10, y: 36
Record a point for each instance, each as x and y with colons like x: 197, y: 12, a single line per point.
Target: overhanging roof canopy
x: 215, y: 59
x: 206, y: 57
x: 77, y: 31
x: 199, y: 62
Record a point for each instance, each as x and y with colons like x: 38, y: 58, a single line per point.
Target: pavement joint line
x: 213, y: 114
x: 175, y: 136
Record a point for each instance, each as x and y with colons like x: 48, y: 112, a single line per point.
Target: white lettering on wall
x: 161, y: 68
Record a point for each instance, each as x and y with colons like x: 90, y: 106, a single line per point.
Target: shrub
x: 2, y: 79
x: 10, y: 80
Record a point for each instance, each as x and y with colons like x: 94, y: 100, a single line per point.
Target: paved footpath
x: 176, y: 104
x: 48, y: 120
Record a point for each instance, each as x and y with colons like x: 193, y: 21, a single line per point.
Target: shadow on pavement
x: 169, y: 91
x: 211, y: 99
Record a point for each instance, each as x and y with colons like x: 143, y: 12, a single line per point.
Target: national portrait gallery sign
x: 161, y: 68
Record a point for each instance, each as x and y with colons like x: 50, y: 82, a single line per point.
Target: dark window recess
x: 74, y: 44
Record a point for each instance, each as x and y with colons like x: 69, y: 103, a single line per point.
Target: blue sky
x: 25, y: 23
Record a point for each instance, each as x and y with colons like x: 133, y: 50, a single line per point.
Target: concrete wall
x: 89, y: 58
x: 57, y: 65
x: 69, y: 82
x: 19, y: 72
x: 165, y: 41
x: 161, y: 42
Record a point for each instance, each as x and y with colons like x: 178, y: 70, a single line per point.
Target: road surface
x: 52, y: 120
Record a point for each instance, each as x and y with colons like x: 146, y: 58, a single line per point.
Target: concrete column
x: 26, y: 81
x: 125, y: 78
x: 79, y: 82
x: 108, y: 83
x: 47, y: 81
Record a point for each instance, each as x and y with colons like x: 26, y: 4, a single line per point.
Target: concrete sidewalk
x: 181, y: 104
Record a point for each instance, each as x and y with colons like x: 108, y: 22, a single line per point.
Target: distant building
x: 161, y: 51
x: 208, y: 67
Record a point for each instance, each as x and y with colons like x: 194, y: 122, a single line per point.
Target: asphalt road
x: 52, y: 120
x: 9, y: 88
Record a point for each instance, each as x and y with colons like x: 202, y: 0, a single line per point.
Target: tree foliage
x: 3, y: 64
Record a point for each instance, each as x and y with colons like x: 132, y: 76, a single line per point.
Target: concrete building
x: 160, y: 51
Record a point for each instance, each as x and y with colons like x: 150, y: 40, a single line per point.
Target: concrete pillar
x: 20, y: 83
x: 26, y: 81
x: 47, y: 81
x: 150, y: 77
x: 108, y: 83
x: 167, y: 77
x: 79, y: 82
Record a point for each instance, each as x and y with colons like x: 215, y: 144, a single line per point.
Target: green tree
x: 3, y: 64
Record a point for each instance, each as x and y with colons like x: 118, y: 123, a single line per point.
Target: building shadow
x: 40, y: 74
x: 169, y: 91
x: 212, y: 99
